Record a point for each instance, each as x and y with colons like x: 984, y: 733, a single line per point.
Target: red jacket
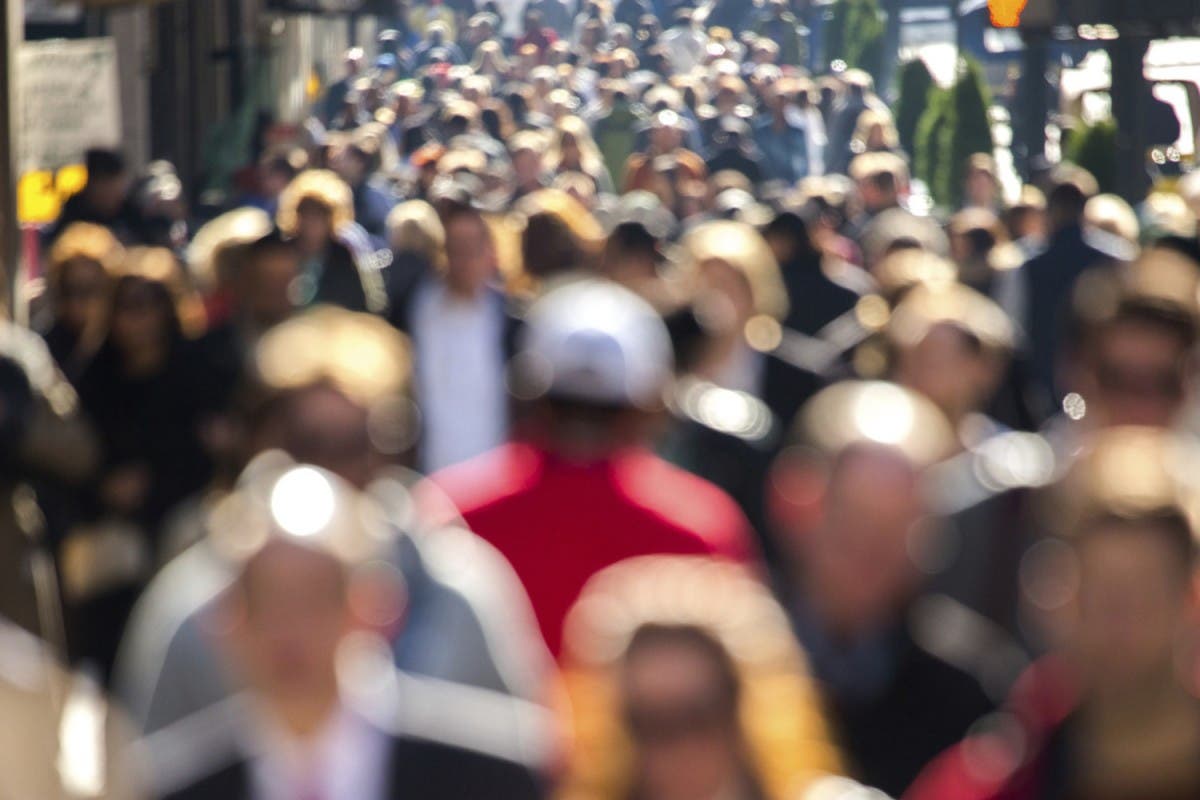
x: 1012, y: 762
x: 560, y: 523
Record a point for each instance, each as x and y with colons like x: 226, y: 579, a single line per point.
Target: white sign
x: 68, y: 100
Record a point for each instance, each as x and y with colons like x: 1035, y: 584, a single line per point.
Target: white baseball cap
x: 594, y: 341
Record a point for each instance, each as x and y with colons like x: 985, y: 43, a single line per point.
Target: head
x: 80, y: 272
x: 854, y: 561
x: 313, y: 207
x: 666, y: 132
x: 981, y: 187
x: 680, y: 695
x: 1117, y: 579
x: 331, y: 389
x: 264, y: 287
x: 882, y: 180
x: 560, y: 234
x: 471, y: 260
x: 108, y: 182
x: 353, y: 61
x: 593, y: 362
x: 414, y: 229
x: 526, y: 149
x: 1070, y: 189
x: 143, y: 314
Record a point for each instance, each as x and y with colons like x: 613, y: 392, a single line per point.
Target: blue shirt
x: 785, y: 151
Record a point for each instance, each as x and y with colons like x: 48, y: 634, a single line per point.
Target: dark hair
x: 104, y: 163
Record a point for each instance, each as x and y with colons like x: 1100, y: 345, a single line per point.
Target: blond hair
x: 415, y: 227
x: 320, y: 186
x: 787, y: 751
x: 86, y: 242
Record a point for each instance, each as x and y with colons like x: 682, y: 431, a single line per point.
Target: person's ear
x: 796, y: 492
x: 377, y: 597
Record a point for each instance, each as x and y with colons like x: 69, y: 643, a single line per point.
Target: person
x: 1134, y: 337
x: 61, y: 735
x: 857, y: 97
x: 462, y: 330
x: 735, y: 150
x: 817, y: 294
x: 355, y: 164
x: 335, y: 96
x: 299, y: 541
x: 149, y: 393
x: 577, y: 490
x: 614, y: 130
x: 779, y: 25
x: 898, y: 693
x: 1109, y: 713
x: 314, y: 211
x: 739, y: 301
x: 80, y: 270
x: 572, y: 149
x: 538, y: 34
x: 44, y: 441
x: 106, y: 199
x: 417, y: 240
x: 1048, y: 279
x: 781, y: 137
x: 687, y: 665
x: 685, y: 41
x: 313, y: 397
x: 555, y: 15
x: 665, y: 158
x: 527, y: 149
x: 981, y: 186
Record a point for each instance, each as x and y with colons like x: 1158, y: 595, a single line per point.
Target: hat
x: 876, y: 413
x: 278, y: 500
x: 642, y: 208
x: 928, y: 306
x: 596, y: 342
x: 896, y: 227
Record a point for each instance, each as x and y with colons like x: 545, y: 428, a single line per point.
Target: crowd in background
x: 576, y: 405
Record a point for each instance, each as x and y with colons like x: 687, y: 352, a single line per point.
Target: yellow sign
x: 41, y: 194
x: 1006, y: 13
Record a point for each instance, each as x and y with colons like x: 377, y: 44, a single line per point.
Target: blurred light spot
x: 883, y: 413
x: 1049, y: 575
x: 302, y: 502
x: 81, y: 755
x: 1015, y: 460
x: 994, y: 747
x: 1074, y: 406
x: 763, y: 333
x: 872, y: 312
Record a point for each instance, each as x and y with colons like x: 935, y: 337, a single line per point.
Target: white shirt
x: 460, y: 372
x: 347, y: 760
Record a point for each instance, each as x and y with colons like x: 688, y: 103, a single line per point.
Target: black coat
x: 417, y: 768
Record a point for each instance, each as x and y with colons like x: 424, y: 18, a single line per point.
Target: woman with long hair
x: 686, y: 684
x: 572, y: 149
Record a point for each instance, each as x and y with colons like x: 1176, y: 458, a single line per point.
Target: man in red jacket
x: 580, y: 490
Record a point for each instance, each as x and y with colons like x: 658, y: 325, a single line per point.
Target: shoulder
x: 488, y: 479
x: 200, y: 754
x: 690, y: 505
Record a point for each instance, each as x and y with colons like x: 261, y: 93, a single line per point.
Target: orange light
x: 1006, y: 13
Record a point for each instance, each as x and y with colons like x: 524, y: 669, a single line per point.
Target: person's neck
x: 145, y: 359
x: 305, y: 715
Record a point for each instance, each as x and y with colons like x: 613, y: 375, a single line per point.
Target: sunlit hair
x: 86, y: 242
x: 359, y: 354
x: 560, y: 234
x: 589, y: 154
x: 743, y: 248
x: 320, y: 186
x: 867, y: 121
x: 158, y: 265
x: 1111, y: 214
x: 414, y: 227
x: 785, y: 752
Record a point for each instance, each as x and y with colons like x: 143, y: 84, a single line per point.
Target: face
x: 726, y: 290
x: 314, y: 224
x: 470, y: 253
x: 139, y: 315
x: 293, y: 615
x: 81, y: 294
x: 859, y: 560
x: 981, y: 189
x: 266, y: 288
x: 948, y: 369
x: 1131, y: 606
x: 108, y: 194
x: 665, y: 138
x: 570, y: 148
x: 527, y: 166
x: 683, y: 731
x: 1138, y: 376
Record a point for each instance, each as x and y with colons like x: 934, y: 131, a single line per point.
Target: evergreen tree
x: 1092, y: 147
x: 954, y: 126
x: 972, y: 129
x: 856, y: 35
x: 915, y: 83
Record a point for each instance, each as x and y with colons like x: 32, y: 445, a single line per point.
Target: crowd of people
x: 576, y: 406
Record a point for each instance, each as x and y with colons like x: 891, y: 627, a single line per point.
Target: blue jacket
x: 785, y: 152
